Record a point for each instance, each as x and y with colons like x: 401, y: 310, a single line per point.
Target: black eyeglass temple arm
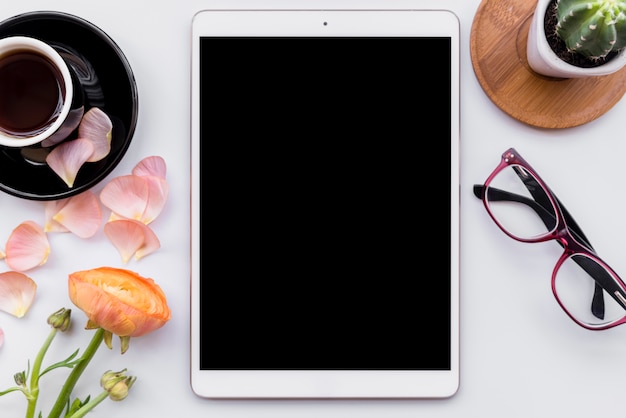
x: 534, y: 187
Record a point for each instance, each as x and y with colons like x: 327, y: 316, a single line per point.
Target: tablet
x: 325, y: 204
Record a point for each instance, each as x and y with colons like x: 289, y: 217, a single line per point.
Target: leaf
x: 76, y: 405
x: 65, y: 363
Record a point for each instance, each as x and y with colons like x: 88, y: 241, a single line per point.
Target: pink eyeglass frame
x: 566, y: 232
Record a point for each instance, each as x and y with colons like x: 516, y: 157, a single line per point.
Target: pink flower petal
x: 151, y: 243
x: 1, y: 337
x: 97, y: 128
x: 68, y: 157
x: 17, y: 293
x: 157, y: 197
x: 27, y: 247
x: 115, y: 217
x: 151, y: 166
x: 81, y: 214
x: 51, y: 208
x: 127, y: 196
x: 131, y: 237
x: 126, y: 236
x: 71, y: 122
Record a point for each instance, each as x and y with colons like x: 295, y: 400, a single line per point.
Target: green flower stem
x: 90, y: 405
x: 77, y: 371
x: 34, y: 377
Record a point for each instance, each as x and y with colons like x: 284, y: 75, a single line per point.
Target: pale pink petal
x: 17, y: 293
x: 151, y: 243
x: 51, y: 208
x: 27, y: 247
x: 68, y: 157
x: 115, y: 217
x: 71, y: 122
x: 81, y: 215
x: 130, y: 238
x: 97, y: 128
x: 126, y: 236
x: 1, y: 337
x: 159, y: 190
x: 127, y: 196
x: 151, y: 166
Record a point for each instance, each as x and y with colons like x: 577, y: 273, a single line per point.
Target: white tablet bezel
x: 285, y: 384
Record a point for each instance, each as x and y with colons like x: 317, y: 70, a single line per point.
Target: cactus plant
x: 592, y: 28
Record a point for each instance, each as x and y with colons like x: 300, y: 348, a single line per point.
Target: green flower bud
x: 110, y: 379
x: 20, y: 378
x: 60, y: 319
x: 117, y: 384
x: 120, y: 390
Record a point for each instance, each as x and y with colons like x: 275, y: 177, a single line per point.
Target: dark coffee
x: 31, y: 93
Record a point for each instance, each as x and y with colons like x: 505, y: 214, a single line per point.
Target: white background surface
x: 520, y: 354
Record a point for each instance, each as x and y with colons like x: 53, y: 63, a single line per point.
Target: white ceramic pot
x: 544, y: 61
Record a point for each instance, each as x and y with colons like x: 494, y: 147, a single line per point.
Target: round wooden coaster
x: 498, y: 51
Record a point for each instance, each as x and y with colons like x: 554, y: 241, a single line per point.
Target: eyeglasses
x: 525, y: 209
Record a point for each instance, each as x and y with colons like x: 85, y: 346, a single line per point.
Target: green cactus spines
x: 592, y: 28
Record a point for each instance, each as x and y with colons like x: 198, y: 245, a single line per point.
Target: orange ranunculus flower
x: 119, y: 301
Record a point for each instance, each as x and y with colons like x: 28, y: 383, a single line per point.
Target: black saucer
x: 116, y: 95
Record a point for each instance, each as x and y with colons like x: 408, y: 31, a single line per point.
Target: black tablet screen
x: 325, y: 203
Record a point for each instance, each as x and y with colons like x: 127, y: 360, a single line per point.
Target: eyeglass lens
x: 574, y: 286
x: 519, y: 204
x: 522, y: 208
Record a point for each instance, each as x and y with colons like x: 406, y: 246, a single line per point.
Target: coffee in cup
x: 36, y: 91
